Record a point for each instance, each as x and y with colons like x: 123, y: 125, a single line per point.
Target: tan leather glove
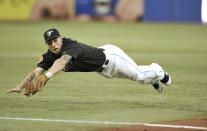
x: 36, y: 85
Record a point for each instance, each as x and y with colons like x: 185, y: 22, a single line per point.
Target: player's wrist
x: 49, y: 75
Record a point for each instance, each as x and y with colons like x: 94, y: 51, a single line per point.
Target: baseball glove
x: 36, y: 85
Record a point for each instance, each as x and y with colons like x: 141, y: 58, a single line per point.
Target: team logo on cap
x: 49, y: 33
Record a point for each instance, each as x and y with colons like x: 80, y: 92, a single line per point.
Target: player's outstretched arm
x: 59, y: 64
x: 40, y: 81
x: 28, y: 79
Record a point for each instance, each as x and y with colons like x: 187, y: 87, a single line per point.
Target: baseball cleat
x: 166, y: 80
x: 157, y: 85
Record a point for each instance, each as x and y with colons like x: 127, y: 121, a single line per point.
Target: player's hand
x: 16, y: 89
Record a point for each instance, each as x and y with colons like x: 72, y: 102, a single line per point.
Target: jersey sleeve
x: 45, y: 62
x: 72, y: 49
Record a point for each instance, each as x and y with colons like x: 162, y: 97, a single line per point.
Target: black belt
x: 105, y: 63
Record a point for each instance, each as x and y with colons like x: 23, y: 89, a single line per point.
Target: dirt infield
x: 188, y: 123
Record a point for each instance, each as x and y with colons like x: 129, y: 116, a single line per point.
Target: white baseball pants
x: 122, y: 66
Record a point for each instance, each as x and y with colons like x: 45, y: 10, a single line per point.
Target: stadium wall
x: 172, y: 10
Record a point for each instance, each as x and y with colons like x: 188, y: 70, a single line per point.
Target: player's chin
x: 56, y: 51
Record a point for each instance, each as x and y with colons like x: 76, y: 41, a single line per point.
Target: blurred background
x: 169, y: 32
x: 104, y: 10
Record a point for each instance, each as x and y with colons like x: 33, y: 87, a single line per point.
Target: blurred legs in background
x: 50, y: 9
x: 204, y: 12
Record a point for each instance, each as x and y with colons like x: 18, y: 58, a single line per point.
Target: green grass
x: 180, y: 48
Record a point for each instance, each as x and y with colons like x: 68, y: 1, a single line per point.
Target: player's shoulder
x: 48, y: 54
x: 70, y: 43
x: 69, y: 40
x: 45, y: 56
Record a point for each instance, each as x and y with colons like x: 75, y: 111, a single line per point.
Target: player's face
x: 55, y: 45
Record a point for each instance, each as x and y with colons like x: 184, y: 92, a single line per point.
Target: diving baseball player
x: 65, y: 54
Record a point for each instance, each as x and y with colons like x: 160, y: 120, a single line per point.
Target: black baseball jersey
x: 85, y: 58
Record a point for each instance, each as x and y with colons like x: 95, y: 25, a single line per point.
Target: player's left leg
x: 149, y: 74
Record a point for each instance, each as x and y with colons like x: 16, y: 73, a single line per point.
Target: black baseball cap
x: 51, y: 34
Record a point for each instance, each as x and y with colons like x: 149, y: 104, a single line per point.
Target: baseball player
x: 65, y: 54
